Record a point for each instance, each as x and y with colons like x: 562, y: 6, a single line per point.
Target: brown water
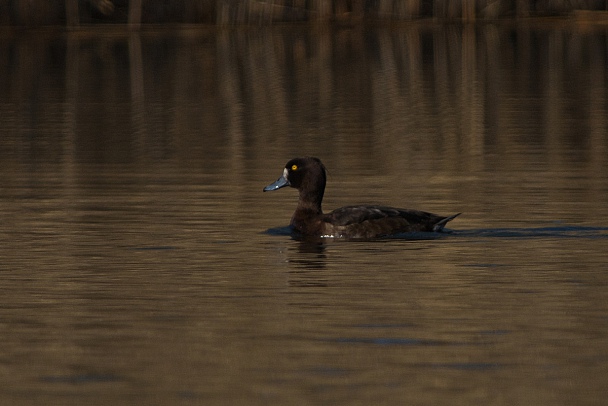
x: 142, y: 264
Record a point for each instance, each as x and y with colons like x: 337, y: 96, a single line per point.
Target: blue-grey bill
x: 281, y: 182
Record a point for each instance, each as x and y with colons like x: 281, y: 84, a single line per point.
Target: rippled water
x: 142, y: 264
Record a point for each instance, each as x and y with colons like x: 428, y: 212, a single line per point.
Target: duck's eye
x: 294, y: 167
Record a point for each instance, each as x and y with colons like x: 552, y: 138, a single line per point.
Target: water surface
x: 142, y: 264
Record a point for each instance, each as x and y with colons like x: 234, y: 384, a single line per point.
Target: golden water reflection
x: 136, y: 262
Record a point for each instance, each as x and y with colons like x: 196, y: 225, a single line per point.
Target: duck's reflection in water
x: 307, y: 261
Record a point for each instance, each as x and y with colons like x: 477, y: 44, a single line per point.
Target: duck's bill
x: 281, y: 182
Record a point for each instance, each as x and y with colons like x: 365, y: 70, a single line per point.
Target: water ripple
x: 534, y: 232
x: 538, y: 232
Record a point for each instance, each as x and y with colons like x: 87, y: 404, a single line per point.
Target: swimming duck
x: 308, y: 175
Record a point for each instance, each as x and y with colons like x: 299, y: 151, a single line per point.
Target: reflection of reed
x: 71, y: 13
x: 135, y: 12
x: 232, y: 12
x: 399, y: 97
x: 70, y: 118
x: 136, y: 78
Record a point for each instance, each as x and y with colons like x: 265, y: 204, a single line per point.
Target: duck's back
x: 375, y: 221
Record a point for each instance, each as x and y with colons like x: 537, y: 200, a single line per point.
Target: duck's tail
x: 441, y: 223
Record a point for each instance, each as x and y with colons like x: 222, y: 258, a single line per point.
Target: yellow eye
x: 294, y: 167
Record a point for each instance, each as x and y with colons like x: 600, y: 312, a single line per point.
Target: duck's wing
x: 355, y: 214
x: 401, y: 220
x: 358, y: 214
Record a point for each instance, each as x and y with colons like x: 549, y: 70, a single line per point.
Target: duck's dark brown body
x: 364, y: 221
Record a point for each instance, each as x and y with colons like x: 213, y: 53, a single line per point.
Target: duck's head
x: 306, y: 174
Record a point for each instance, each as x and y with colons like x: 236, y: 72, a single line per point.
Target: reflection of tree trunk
x: 71, y: 13
x: 399, y: 9
x: 325, y: 80
x: 224, y: 12
x: 410, y: 9
x: 522, y: 8
x: 321, y: 10
x: 468, y: 10
x: 229, y: 89
x: 452, y: 10
x: 472, y: 107
x: 441, y: 79
x: 137, y: 95
x: 552, y: 70
x: 134, y: 13
x: 385, y: 8
x: 221, y: 14
x: 71, y: 98
x: 231, y: 95
x: 345, y: 10
x: 398, y: 94
x: 493, y: 81
x: 264, y: 60
x: 357, y: 9
x: 597, y: 116
x: 70, y: 122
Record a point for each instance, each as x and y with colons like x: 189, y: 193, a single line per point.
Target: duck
x: 308, y: 175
